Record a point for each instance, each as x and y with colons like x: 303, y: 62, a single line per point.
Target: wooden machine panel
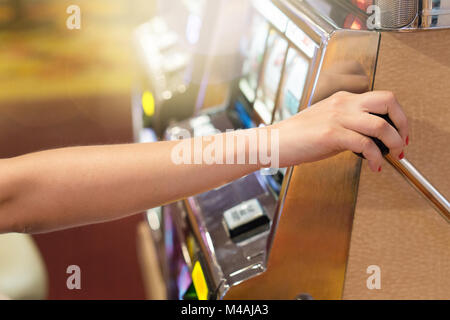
x: 394, y: 227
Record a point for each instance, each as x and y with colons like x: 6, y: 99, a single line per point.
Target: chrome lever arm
x: 422, y: 185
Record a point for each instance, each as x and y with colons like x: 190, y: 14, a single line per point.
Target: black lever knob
x: 383, y: 148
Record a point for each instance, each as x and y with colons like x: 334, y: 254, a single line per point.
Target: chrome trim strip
x: 422, y: 185
x: 432, y: 4
x: 278, y: 212
x: 434, y: 12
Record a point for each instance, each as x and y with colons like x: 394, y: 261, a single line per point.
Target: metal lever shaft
x: 422, y: 185
x: 414, y: 177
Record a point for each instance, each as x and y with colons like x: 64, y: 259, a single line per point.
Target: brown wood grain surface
x: 394, y: 226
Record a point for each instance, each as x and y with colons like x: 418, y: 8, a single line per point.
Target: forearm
x: 74, y: 186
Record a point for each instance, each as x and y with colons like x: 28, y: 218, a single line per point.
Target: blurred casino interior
x: 66, y: 87
x: 62, y: 87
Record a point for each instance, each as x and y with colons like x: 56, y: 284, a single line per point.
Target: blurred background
x: 132, y: 68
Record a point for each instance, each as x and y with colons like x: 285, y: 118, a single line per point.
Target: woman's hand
x: 343, y: 122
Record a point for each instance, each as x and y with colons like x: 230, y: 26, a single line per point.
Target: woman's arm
x: 67, y: 187
x: 62, y: 188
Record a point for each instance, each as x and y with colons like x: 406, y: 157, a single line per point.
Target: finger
x: 384, y: 102
x: 358, y: 143
x: 374, y: 126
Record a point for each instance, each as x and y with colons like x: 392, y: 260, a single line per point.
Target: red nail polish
x: 379, y: 169
x: 407, y: 140
x: 401, y: 156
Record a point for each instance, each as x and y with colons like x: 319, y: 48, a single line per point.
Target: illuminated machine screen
x: 296, y: 72
x: 179, y: 242
x: 254, y: 46
x: 270, y: 78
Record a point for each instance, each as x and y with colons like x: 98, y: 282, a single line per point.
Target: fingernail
x: 379, y: 169
x: 401, y: 156
x: 407, y: 140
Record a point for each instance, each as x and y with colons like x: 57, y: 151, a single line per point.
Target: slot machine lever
x: 414, y: 177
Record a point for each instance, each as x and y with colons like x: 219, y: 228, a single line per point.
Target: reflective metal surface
x: 397, y: 13
x: 393, y: 14
x: 310, y: 235
x: 435, y: 14
x: 418, y: 181
x: 227, y: 262
x: 235, y: 262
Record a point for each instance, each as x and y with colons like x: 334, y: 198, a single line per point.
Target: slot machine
x: 319, y: 230
x: 181, y: 66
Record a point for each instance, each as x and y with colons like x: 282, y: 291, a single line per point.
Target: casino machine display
x: 313, y: 231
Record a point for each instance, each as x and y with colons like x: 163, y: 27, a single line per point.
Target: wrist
x: 267, y: 148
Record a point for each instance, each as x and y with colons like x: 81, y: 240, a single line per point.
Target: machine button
x: 246, y: 220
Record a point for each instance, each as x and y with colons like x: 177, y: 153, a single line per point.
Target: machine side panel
x: 311, y: 244
x: 395, y: 228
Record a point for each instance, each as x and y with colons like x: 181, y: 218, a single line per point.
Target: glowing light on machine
x: 183, y: 281
x: 199, y: 280
x: 153, y: 219
x: 193, y: 28
x: 148, y: 103
x: 352, y: 22
x: 362, y: 4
